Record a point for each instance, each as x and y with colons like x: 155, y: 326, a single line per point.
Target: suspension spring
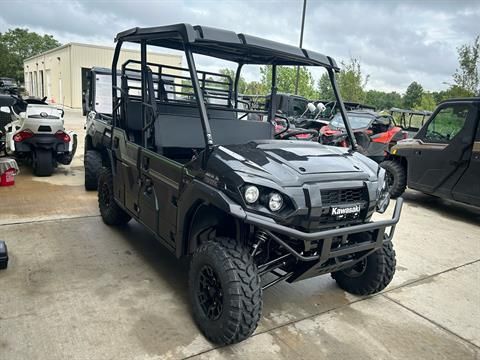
x: 261, y: 236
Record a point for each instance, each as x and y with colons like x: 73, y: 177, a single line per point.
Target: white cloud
x: 397, y: 41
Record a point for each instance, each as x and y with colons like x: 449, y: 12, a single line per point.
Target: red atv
x: 375, y: 133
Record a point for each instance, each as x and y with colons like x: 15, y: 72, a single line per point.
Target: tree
x: 413, y: 96
x: 325, y: 91
x: 427, y: 102
x: 286, y: 77
x: 468, y: 76
x: 383, y: 100
x: 18, y: 44
x: 351, y: 83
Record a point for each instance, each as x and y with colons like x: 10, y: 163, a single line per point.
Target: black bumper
x: 47, y: 141
x: 319, y: 262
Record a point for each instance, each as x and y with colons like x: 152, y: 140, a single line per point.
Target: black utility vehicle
x: 443, y: 159
x: 220, y: 189
x: 8, y: 86
x: 98, y: 123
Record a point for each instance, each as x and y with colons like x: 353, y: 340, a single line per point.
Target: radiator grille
x: 342, y: 196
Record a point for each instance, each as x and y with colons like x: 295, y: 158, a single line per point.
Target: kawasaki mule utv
x: 211, y: 185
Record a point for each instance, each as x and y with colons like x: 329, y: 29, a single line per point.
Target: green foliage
x: 351, y: 83
x: 468, y: 76
x: 325, y: 91
x: 286, y: 77
x: 413, y: 95
x: 18, y: 44
x: 427, y: 102
x: 383, y: 100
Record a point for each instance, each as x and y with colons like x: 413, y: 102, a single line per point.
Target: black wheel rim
x: 356, y: 270
x: 210, y: 294
x: 105, y: 195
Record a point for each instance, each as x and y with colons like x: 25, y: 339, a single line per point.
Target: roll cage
x: 239, y: 48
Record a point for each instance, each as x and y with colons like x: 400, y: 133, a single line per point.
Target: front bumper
x: 328, y: 256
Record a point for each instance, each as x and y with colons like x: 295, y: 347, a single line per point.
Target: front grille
x: 342, y: 196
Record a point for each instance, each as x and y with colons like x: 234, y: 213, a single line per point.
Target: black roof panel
x: 227, y: 45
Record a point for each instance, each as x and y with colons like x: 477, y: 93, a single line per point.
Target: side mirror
x: 311, y: 107
x: 5, y: 109
x: 321, y: 107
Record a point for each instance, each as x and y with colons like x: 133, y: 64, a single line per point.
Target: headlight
x: 251, y: 194
x: 275, y: 202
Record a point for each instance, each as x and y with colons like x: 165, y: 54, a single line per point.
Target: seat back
x: 179, y: 126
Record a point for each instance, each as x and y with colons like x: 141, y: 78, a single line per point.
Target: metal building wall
x: 55, y: 67
x: 61, y: 69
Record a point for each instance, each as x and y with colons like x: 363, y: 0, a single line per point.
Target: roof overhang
x: 226, y: 45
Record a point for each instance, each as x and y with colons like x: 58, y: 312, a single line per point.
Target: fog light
x: 275, y: 202
x: 251, y: 194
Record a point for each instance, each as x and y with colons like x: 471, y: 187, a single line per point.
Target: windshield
x: 357, y: 121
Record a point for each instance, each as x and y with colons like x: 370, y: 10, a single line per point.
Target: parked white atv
x: 37, y: 134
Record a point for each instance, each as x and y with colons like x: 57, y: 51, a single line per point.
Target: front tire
x: 111, y: 213
x: 93, y: 164
x: 225, y: 291
x: 370, y: 275
x: 43, y: 163
x: 396, y: 177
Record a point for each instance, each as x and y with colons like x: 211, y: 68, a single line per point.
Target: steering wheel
x: 438, y: 135
x: 294, y: 133
x: 279, y: 134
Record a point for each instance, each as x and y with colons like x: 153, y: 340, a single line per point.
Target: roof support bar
x: 116, y: 55
x: 237, y: 81
x: 207, y: 132
x: 273, y: 92
x: 348, y: 128
x: 143, y: 61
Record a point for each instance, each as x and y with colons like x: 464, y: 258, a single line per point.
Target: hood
x: 292, y: 162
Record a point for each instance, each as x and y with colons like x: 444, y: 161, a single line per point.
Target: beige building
x: 60, y: 73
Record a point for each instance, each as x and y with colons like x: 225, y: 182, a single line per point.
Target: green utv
x: 215, y: 187
x: 443, y: 158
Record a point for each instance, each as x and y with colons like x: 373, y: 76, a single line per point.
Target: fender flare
x: 196, y: 196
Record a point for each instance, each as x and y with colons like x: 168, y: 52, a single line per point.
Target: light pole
x: 301, y: 43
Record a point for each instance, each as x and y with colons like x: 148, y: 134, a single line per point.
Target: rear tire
x: 396, y: 176
x: 111, y: 213
x: 225, y: 291
x: 371, y: 275
x: 43, y: 163
x: 93, y: 164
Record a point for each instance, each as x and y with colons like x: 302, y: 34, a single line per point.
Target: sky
x: 397, y: 42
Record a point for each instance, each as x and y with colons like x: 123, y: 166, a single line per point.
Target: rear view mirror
x: 321, y: 107
x: 311, y: 107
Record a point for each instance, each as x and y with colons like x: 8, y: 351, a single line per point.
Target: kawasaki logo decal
x: 345, y: 210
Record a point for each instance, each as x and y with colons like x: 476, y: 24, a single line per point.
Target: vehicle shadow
x: 157, y: 257
x: 451, y: 209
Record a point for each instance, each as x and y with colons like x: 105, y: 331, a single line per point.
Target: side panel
x: 468, y: 188
x: 436, y: 166
x: 126, y: 182
x: 159, y: 188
